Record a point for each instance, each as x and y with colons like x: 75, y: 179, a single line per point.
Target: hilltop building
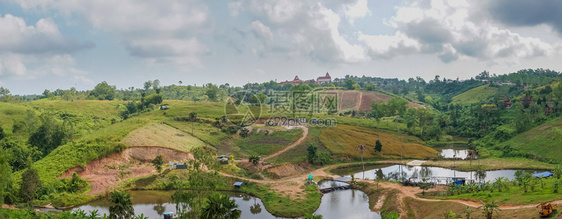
x: 295, y: 81
x: 320, y: 80
x: 324, y: 79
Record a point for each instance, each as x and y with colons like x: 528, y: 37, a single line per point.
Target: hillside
x: 543, y: 142
x: 475, y: 95
x: 361, y: 100
x: 343, y: 139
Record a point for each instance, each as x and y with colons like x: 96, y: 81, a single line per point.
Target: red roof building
x: 324, y: 79
x: 296, y: 80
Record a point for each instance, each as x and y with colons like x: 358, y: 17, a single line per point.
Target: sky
x: 50, y: 44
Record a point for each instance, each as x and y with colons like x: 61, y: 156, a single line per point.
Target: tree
x: 200, y: 182
x: 378, y: 146
x: 49, y: 136
x: 311, y: 153
x: 103, y: 91
x: 147, y: 85
x: 424, y: 185
x: 220, y: 207
x: 122, y: 207
x: 158, y: 162
x: 30, y: 183
x: 156, y: 84
x: 312, y: 216
x: 212, y: 92
x: 5, y: 94
x: 192, y: 118
x: 377, y: 111
x: 488, y: 208
x: 5, y: 175
x: 180, y: 82
x: 361, y: 149
x: 255, y: 159
x: 558, y: 171
x: 349, y: 83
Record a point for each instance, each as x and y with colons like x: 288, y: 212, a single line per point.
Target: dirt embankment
x: 107, y: 173
x: 286, y: 170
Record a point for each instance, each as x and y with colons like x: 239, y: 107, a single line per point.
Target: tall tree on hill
x: 49, y: 136
x: 378, y: 146
x: 147, y: 85
x: 29, y: 184
x: 192, y: 118
x: 361, y: 148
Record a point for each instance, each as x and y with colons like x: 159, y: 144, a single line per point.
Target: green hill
x: 475, y: 95
x: 542, y: 142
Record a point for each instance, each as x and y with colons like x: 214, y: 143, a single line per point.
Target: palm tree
x: 362, y: 148
x: 180, y: 82
x: 220, y: 207
x: 122, y: 206
x: 489, y: 208
x: 255, y: 159
x: 192, y: 118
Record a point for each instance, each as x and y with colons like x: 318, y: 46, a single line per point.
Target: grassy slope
x: 343, y: 140
x: 155, y: 134
x: 9, y: 113
x: 543, y: 141
x: 100, y: 142
x: 263, y: 145
x: 475, y: 95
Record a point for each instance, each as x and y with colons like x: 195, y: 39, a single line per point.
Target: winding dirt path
x: 304, y: 135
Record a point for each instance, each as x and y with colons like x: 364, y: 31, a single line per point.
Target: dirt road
x: 304, y: 135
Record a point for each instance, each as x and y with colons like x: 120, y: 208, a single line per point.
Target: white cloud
x: 357, y: 10
x: 450, y: 30
x: 388, y: 46
x: 142, y: 26
x: 182, y: 52
x: 262, y: 31
x: 35, y: 50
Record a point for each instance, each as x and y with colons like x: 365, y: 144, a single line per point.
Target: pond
x: 454, y: 153
x: 338, y: 204
x: 402, y: 172
x: 154, y: 203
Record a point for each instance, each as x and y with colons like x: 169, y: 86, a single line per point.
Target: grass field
x: 263, y: 144
x: 155, y: 134
x: 515, y: 194
x: 475, y: 95
x: 543, y: 141
x: 299, y: 153
x: 427, y: 209
x: 10, y: 113
x: 343, y: 139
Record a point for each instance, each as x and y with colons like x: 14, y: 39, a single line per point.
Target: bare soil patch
x: 287, y: 170
x: 107, y: 173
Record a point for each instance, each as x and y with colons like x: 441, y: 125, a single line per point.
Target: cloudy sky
x: 49, y: 44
